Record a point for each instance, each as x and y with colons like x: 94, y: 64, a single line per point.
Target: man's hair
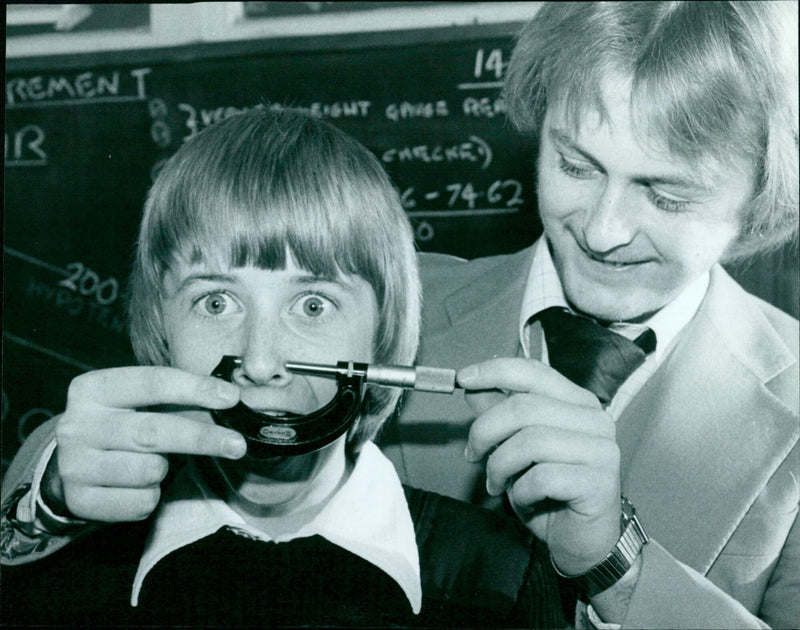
x: 711, y: 80
x: 257, y: 183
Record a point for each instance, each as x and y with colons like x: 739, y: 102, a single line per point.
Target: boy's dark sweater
x: 477, y: 571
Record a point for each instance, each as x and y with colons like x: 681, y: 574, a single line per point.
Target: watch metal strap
x: 610, y: 570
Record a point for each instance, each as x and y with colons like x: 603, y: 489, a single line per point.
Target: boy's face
x: 629, y: 228
x: 268, y: 318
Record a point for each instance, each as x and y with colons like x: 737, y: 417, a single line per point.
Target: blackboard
x: 84, y: 136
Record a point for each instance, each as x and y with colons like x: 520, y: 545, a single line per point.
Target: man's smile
x: 618, y: 261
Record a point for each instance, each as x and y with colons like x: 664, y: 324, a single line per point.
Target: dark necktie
x: 591, y: 355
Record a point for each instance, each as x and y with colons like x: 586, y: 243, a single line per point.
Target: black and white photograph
x: 401, y: 315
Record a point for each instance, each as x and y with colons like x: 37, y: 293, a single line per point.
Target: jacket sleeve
x: 753, y: 580
x: 669, y: 594
x: 22, y: 539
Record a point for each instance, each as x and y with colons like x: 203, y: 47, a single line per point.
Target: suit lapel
x: 484, y: 315
x: 477, y: 322
x: 703, y: 436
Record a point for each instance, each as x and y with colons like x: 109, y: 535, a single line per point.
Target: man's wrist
x: 619, y: 560
x: 611, y: 605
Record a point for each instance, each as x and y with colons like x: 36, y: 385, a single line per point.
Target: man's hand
x: 111, y: 457
x: 550, y: 446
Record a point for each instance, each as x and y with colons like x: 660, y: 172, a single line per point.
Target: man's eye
x: 667, y: 204
x: 215, y: 304
x: 580, y: 170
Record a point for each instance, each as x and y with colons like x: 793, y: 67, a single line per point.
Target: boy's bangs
x: 214, y: 222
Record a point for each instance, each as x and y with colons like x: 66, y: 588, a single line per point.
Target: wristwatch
x: 608, y: 571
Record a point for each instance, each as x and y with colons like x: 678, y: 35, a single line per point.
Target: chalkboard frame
x: 266, y: 45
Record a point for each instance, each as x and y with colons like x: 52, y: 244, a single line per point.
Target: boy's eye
x: 215, y: 304
x: 313, y: 306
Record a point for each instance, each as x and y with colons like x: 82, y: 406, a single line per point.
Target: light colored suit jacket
x: 709, y: 446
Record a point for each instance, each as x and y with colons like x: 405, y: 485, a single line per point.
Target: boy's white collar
x: 368, y: 516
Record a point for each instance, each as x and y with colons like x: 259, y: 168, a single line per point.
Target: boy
x: 271, y: 237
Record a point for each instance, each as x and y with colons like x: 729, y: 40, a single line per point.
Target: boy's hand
x: 552, y: 448
x: 111, y: 457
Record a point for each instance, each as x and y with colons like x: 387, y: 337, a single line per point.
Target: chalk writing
x: 474, y: 150
x: 484, y: 107
x: 342, y: 109
x: 406, y: 110
x: 160, y: 131
x: 198, y: 119
x: 491, y: 63
x: 83, y: 88
x: 424, y: 232
x: 157, y: 108
x: 505, y: 193
x: 488, y: 70
x: 75, y: 305
x: 86, y: 282
x: 24, y: 147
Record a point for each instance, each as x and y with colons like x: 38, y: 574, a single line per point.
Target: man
x: 667, y: 137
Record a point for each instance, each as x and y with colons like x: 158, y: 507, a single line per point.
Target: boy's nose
x: 263, y: 359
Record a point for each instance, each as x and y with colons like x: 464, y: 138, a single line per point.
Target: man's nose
x: 610, y: 222
x: 264, y: 356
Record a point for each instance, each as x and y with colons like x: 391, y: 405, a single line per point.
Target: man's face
x: 268, y: 318
x: 629, y: 227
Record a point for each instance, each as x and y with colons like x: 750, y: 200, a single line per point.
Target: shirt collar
x: 368, y: 516
x: 544, y: 290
